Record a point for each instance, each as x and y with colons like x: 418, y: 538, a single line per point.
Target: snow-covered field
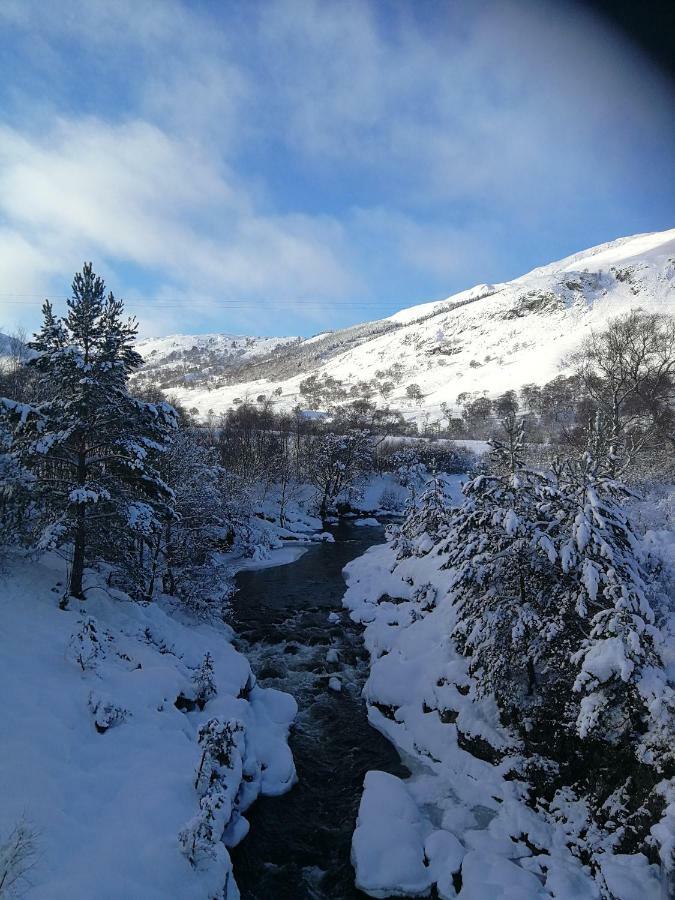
x: 99, y: 762
x: 488, y: 339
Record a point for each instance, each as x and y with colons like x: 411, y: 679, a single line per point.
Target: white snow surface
x: 488, y: 339
x: 107, y: 807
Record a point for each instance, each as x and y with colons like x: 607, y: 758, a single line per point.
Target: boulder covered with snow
x: 388, y: 843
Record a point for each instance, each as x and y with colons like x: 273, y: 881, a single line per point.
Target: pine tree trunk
x: 531, y: 676
x: 79, y: 543
x: 170, y: 577
x: 77, y: 570
x: 154, y: 565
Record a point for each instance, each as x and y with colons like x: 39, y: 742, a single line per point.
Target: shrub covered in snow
x: 217, y: 781
x: 426, y: 522
x: 85, y: 647
x: 106, y: 713
x: 204, y: 682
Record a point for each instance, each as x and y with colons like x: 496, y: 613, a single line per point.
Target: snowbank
x: 278, y: 556
x: 97, y: 757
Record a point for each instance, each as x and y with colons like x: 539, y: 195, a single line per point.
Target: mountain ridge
x: 484, y: 340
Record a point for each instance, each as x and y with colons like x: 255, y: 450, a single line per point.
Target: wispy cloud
x: 292, y: 149
x: 130, y: 194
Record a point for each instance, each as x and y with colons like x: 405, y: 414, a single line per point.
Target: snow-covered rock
x: 388, y: 844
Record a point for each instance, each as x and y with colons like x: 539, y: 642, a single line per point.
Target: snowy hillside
x: 490, y: 338
x: 11, y: 349
x: 180, y: 358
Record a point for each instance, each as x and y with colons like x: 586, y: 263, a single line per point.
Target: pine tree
x: 90, y: 444
x: 204, y: 682
x: 16, y: 484
x: 204, y: 513
x: 426, y: 522
x: 501, y: 553
x: 84, y: 646
x: 217, y: 781
x: 604, y: 557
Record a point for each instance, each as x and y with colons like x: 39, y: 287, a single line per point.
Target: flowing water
x: 299, y: 844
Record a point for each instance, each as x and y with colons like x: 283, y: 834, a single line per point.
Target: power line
x: 204, y: 307
x: 176, y: 302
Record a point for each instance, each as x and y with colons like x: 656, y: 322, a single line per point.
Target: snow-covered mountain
x: 182, y: 357
x: 490, y: 338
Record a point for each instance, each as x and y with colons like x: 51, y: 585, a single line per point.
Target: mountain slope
x: 490, y: 338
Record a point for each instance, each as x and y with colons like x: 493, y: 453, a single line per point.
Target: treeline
x: 625, y: 374
x: 557, y: 414
x: 255, y: 440
x: 130, y: 481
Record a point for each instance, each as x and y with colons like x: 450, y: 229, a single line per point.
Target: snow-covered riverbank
x: 97, y: 759
x: 462, y: 819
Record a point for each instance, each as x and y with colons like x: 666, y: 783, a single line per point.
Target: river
x: 299, y: 844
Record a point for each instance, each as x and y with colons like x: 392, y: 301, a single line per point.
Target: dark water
x: 299, y: 844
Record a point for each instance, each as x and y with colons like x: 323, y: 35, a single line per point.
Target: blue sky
x: 288, y: 166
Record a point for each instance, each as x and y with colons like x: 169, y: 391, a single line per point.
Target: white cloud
x: 500, y: 96
x: 131, y: 194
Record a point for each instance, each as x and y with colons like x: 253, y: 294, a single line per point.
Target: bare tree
x: 14, y: 377
x: 335, y: 463
x: 17, y: 858
x: 628, y: 370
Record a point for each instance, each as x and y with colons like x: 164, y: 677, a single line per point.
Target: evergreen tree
x: 552, y: 606
x: 16, y: 484
x: 203, y: 521
x: 426, y: 522
x: 204, y: 682
x: 84, y: 647
x: 603, y: 555
x: 217, y: 781
x: 90, y: 445
x: 500, y: 551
